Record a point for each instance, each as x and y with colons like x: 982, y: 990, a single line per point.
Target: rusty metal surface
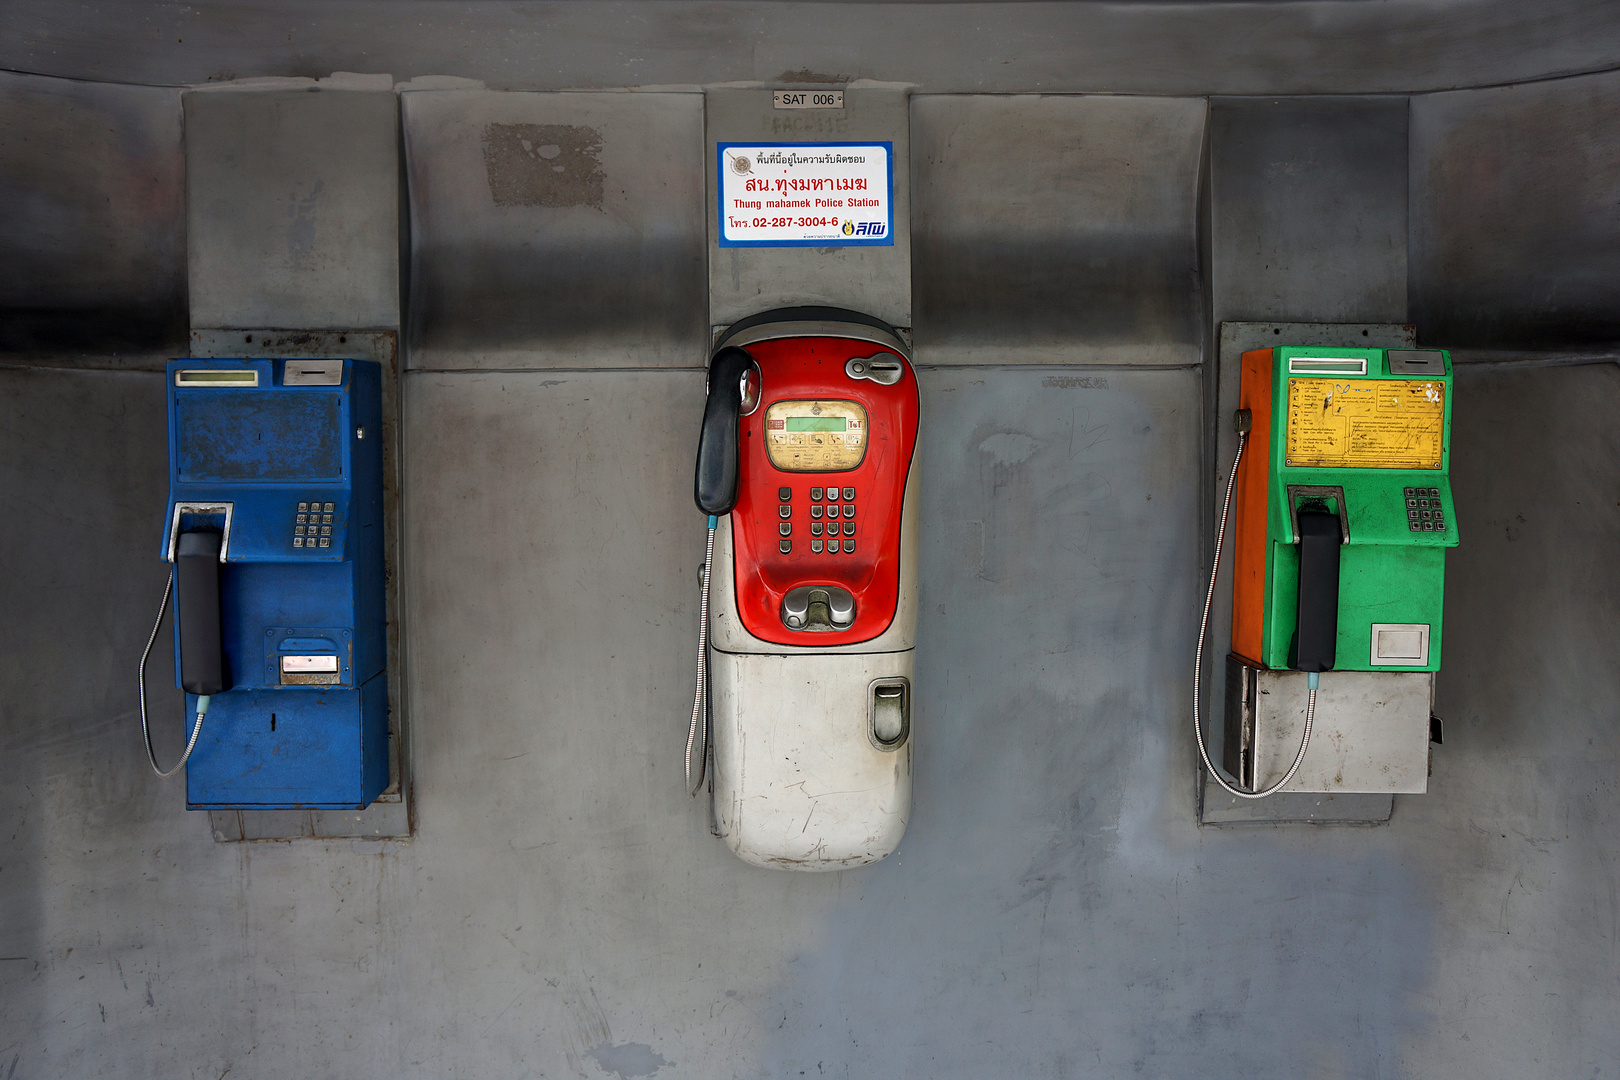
x: 1291, y: 47
x: 1056, y: 229
x: 1516, y: 215
x: 555, y: 230
x: 92, y: 255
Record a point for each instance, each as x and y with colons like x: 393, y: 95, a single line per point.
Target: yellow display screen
x: 1365, y: 424
x: 815, y: 436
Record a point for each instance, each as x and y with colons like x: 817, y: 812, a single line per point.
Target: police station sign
x: 806, y: 194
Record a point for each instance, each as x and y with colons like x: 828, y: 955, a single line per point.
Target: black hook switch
x: 1318, y: 623
x: 196, y: 606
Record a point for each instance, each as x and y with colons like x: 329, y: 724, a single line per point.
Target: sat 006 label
x: 805, y: 194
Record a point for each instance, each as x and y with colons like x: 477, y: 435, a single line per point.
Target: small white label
x: 809, y: 99
x: 834, y: 194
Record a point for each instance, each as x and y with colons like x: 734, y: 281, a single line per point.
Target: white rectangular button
x: 323, y: 662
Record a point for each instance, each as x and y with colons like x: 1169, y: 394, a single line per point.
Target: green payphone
x: 1343, y: 514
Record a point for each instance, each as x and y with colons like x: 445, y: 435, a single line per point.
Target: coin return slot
x: 318, y: 670
x: 890, y: 713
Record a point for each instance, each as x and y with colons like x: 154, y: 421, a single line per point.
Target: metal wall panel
x: 292, y: 206
x: 1308, y: 208
x: 556, y: 230
x: 1057, y: 229
x: 1141, y: 47
x: 744, y: 281
x: 1516, y: 215
x: 1054, y: 909
x: 93, y: 251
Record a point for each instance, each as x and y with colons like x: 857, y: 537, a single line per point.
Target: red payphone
x: 805, y: 468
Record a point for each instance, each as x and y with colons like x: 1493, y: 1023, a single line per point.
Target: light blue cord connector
x: 713, y: 521
x: 202, y: 704
x: 1310, y: 679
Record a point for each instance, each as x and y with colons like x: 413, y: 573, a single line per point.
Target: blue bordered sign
x: 838, y: 194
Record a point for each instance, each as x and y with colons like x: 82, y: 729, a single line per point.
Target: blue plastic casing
x: 280, y: 740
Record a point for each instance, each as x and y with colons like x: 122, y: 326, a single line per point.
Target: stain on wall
x: 543, y: 165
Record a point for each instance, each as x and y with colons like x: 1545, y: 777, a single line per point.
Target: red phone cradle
x: 795, y: 369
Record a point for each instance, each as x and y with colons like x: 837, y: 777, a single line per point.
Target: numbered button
x: 815, y: 547
x: 785, y: 546
x: 785, y: 528
x: 815, y: 512
x: 849, y: 510
x: 784, y: 511
x: 815, y: 494
x: 298, y: 541
x: 849, y: 494
x: 849, y: 528
x: 849, y: 547
x: 815, y: 528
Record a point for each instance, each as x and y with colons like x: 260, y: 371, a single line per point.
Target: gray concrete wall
x: 1055, y: 909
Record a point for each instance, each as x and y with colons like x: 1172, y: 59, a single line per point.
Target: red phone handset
x: 822, y: 467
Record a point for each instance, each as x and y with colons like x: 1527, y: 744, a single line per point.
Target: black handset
x: 1318, y: 623
x: 716, y: 484
x: 196, y: 605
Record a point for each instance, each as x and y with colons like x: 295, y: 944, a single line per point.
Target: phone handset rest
x: 202, y: 652
x: 715, y: 488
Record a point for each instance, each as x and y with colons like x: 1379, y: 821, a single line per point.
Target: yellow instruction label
x: 1365, y: 423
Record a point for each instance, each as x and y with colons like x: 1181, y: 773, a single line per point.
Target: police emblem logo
x: 741, y: 165
x: 849, y: 228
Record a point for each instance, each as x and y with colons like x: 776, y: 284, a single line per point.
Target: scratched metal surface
x: 1054, y: 910
x: 1297, y: 47
x: 1057, y: 229
x: 1516, y: 215
x: 293, y: 206
x: 93, y: 252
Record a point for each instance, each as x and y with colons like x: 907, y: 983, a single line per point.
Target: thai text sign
x: 806, y: 194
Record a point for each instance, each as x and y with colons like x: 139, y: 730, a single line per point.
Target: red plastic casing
x: 813, y: 367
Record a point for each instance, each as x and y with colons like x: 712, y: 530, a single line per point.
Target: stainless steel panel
x: 1308, y: 209
x: 1516, y: 215
x: 875, y: 281
x: 1370, y: 732
x: 1324, y: 47
x: 556, y: 230
x: 93, y: 251
x: 292, y: 206
x: 1057, y: 229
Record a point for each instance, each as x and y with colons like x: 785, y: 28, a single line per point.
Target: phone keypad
x: 312, y: 524
x: 832, y: 515
x: 1423, y: 510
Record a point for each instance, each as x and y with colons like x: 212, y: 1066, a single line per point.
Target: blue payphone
x: 274, y: 535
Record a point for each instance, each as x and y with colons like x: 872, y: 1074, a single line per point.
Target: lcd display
x: 815, y: 436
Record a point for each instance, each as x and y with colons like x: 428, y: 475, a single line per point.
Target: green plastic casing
x: 1387, y: 572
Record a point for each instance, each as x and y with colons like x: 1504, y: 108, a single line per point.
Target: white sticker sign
x: 806, y: 194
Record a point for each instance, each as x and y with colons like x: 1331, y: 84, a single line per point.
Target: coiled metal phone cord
x: 1203, y: 628
x: 202, y: 702
x: 700, y: 700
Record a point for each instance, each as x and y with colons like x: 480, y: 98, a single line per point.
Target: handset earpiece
x: 715, y: 487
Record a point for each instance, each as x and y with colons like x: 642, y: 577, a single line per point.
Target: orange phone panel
x: 1249, y: 528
